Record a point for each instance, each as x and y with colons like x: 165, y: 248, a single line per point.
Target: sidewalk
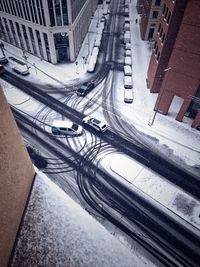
x: 164, y: 195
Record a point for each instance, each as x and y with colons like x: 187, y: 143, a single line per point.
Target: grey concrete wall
x: 16, y: 176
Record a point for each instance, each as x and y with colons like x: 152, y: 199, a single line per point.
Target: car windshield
x: 95, y: 121
x: 75, y: 127
x: 81, y: 90
x: 83, y: 87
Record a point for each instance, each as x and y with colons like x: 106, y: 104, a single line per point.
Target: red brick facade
x: 150, y: 11
x: 139, y: 6
x: 174, y: 68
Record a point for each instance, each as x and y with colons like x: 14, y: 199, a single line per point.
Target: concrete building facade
x: 150, y: 11
x: 50, y: 29
x: 174, y: 69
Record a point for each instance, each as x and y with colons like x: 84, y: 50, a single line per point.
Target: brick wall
x: 16, y: 176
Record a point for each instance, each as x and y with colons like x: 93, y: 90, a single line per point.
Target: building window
x: 158, y: 56
x: 46, y: 42
x: 13, y: 32
x: 166, y: 13
x: 32, y: 40
x: 151, y: 33
x: 155, y: 14
x: 2, y: 31
x: 39, y: 43
x: 156, y: 51
x: 168, y: 17
x: 155, y: 44
x: 163, y: 12
x: 64, y: 11
x: 159, y: 28
x: 19, y: 35
x: 163, y: 38
x: 58, y: 12
x: 26, y: 37
x: 42, y: 13
x: 51, y: 13
x: 157, y: 2
x: 7, y: 31
x: 161, y: 32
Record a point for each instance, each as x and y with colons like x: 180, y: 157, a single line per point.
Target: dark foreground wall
x: 16, y: 176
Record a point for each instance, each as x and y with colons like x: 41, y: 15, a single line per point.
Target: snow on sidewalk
x: 157, y: 188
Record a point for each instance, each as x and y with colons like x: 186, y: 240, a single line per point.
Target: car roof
x: 98, y: 122
x: 20, y: 67
x: 128, y: 79
x: 60, y: 123
x: 86, y: 83
x: 128, y: 93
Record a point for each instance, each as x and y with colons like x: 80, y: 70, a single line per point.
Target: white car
x: 20, y: 69
x: 94, y: 123
x: 128, y: 95
x: 60, y: 127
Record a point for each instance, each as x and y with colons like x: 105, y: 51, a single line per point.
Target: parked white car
x: 20, y: 69
x: 128, y: 95
x: 127, y: 70
x: 128, y: 60
x: 128, y: 84
x: 95, y: 123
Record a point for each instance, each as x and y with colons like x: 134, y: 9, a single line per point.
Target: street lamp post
x: 88, y: 44
x: 156, y: 109
x: 77, y: 67
x: 83, y: 62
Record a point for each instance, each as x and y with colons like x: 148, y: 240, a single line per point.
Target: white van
x: 127, y: 70
x: 128, y: 61
x: 20, y: 69
x: 60, y: 127
x: 128, y: 95
x: 128, y: 82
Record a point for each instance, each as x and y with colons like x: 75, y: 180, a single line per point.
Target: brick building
x: 139, y: 6
x: 174, y: 69
x: 150, y: 11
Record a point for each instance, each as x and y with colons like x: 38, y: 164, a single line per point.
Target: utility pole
x: 156, y: 109
x: 77, y: 67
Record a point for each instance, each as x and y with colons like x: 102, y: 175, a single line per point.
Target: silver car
x: 95, y: 123
x: 60, y: 127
